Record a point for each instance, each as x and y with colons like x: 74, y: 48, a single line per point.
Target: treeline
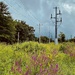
x: 10, y: 28
x: 62, y: 38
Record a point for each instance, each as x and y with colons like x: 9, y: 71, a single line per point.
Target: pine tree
x: 6, y: 24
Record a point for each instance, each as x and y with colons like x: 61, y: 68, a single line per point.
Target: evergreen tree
x: 7, y: 27
x: 26, y: 32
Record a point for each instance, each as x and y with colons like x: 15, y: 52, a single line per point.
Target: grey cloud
x: 42, y: 9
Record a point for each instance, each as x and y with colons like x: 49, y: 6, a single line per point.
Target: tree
x: 26, y: 32
x: 7, y: 28
x: 31, y: 34
x: 62, y: 37
x: 3, y: 9
x: 44, y: 39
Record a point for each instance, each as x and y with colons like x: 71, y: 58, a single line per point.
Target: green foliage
x: 62, y: 37
x: 3, y: 9
x: 44, y: 39
x: 72, y: 39
x: 26, y: 32
x: 9, y: 28
x: 62, y: 48
x: 32, y: 58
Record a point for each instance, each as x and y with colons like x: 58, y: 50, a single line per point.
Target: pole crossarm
x: 56, y: 22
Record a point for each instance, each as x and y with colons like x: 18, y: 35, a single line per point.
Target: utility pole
x: 39, y: 33
x: 49, y: 37
x: 56, y: 22
x: 18, y: 37
x: 49, y: 34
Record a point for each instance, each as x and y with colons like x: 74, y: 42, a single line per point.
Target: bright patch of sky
x: 69, y: 7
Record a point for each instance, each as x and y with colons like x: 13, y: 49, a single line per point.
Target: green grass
x: 32, y: 58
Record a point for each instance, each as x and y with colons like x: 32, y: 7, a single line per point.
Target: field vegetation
x: 32, y: 58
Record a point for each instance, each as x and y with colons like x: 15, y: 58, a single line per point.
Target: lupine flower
x: 12, y: 68
x: 19, y: 69
x: 56, y: 68
x: 27, y: 72
x: 40, y: 64
x: 16, y: 63
x: 34, y: 58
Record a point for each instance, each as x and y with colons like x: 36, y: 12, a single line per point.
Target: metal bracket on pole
x: 56, y: 22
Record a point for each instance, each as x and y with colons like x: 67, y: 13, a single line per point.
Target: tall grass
x: 32, y: 58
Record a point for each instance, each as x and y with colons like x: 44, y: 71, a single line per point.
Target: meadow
x: 32, y: 58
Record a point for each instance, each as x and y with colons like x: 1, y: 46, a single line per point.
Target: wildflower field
x: 32, y: 58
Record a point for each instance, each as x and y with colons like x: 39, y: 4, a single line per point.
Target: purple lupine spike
x: 34, y: 58
x: 49, y: 74
x: 57, y: 66
x: 19, y: 69
x: 27, y: 72
x: 12, y: 68
x: 16, y: 63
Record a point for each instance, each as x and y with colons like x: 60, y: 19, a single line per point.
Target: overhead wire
x: 29, y: 12
x: 20, y: 14
x: 24, y: 10
x: 14, y: 9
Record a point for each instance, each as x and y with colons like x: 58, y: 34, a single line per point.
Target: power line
x: 24, y: 10
x: 17, y: 11
x: 14, y: 8
x: 30, y: 13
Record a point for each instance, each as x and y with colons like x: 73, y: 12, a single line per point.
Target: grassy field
x: 32, y: 58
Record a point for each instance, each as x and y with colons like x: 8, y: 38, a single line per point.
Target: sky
x: 35, y: 12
